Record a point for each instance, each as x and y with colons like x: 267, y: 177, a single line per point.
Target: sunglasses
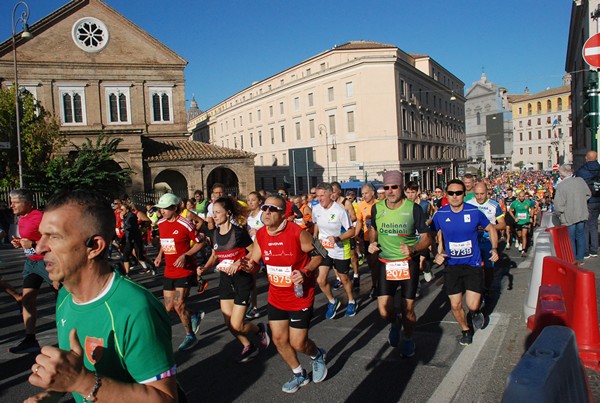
x: 457, y: 193
x: 313, y: 193
x: 270, y: 208
x: 394, y: 187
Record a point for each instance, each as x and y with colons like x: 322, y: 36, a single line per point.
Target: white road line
x: 451, y: 384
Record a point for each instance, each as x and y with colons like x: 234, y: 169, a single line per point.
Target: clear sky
x: 230, y: 44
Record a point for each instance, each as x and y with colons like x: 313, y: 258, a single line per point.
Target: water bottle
x: 298, y: 290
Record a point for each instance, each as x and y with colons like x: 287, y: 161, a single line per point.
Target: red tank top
x: 282, y: 254
x: 29, y: 228
x: 175, y: 240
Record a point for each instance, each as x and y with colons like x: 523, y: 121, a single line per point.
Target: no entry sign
x: 439, y: 171
x: 591, y: 51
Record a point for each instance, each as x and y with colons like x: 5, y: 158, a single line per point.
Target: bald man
x: 590, y: 173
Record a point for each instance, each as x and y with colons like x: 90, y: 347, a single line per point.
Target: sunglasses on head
x: 455, y: 193
x: 394, y: 187
x: 270, y: 208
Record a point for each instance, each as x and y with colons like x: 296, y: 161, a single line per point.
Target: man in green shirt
x: 114, y: 336
x: 395, y: 224
x: 521, y: 211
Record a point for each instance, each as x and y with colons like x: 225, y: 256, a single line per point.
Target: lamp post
x: 26, y: 34
x: 322, y: 129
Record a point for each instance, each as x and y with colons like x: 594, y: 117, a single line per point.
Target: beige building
x: 542, y: 135
x: 348, y: 113
x: 96, y: 72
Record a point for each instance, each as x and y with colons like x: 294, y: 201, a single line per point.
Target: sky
x: 230, y: 44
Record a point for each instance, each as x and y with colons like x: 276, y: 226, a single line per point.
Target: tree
x: 89, y: 167
x: 40, y: 137
x: 519, y: 164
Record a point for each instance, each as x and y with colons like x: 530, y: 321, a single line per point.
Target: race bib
x: 224, y: 264
x: 397, y: 270
x: 326, y: 244
x: 461, y: 249
x: 168, y: 246
x: 299, y: 221
x: 522, y: 216
x: 280, y: 276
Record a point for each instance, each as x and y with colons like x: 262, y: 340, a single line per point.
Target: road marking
x: 456, y: 375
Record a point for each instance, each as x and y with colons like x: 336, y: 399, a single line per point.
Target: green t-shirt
x: 521, y: 210
x: 397, y: 226
x: 125, y: 334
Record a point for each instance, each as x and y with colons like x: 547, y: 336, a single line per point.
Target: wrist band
x: 92, y: 396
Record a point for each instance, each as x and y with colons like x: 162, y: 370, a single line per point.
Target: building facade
x: 97, y: 72
x: 584, y: 83
x: 542, y: 129
x: 488, y: 125
x: 349, y: 113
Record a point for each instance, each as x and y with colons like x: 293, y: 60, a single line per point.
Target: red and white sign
x: 554, y: 168
x: 591, y: 51
x: 440, y: 171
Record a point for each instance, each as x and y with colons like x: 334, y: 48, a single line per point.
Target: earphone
x: 90, y: 243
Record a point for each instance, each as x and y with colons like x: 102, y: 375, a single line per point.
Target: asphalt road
x: 362, y: 366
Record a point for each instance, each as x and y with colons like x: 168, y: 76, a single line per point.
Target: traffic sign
x: 440, y: 171
x: 554, y: 168
x: 591, y: 51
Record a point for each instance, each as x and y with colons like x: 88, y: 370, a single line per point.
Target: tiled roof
x: 185, y: 150
x: 543, y: 94
x: 363, y: 45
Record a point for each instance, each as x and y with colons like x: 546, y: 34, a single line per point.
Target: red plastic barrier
x: 562, y: 243
x: 550, y: 310
x: 578, y: 290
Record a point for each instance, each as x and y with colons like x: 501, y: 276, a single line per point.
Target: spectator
x: 570, y: 204
x: 590, y: 173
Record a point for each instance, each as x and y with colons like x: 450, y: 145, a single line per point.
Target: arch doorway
x: 225, y: 176
x: 170, y: 181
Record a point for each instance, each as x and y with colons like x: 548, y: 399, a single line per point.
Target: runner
x: 458, y: 224
x: 34, y: 270
x: 292, y: 257
x: 469, y: 181
x: 176, y: 234
x: 254, y: 223
x: 510, y: 222
x: 521, y: 210
x: 411, y: 192
x: 114, y: 337
x: 347, y: 204
x: 363, y: 222
x: 230, y: 244
x: 395, y: 224
x: 491, y: 209
x: 334, y: 229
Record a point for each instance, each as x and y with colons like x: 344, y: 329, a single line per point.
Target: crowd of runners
x: 399, y: 231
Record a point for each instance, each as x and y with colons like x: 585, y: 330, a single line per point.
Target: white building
x: 351, y: 112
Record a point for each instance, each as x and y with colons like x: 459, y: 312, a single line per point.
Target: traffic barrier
x: 550, y: 310
x: 542, y: 248
x: 550, y: 371
x: 578, y: 290
x: 562, y: 243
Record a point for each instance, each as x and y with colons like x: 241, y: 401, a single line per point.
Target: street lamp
x: 322, y: 129
x: 25, y: 35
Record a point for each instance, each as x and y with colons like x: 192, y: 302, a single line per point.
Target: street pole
x: 23, y: 18
x: 322, y: 129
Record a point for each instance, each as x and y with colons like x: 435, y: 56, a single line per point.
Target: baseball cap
x: 167, y: 200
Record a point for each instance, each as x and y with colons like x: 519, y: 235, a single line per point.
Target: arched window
x: 559, y: 104
x: 549, y: 106
x: 478, y: 118
x: 539, y: 107
x: 529, y: 109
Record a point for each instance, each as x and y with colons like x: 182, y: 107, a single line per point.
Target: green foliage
x: 519, y: 164
x: 40, y: 137
x: 89, y: 167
